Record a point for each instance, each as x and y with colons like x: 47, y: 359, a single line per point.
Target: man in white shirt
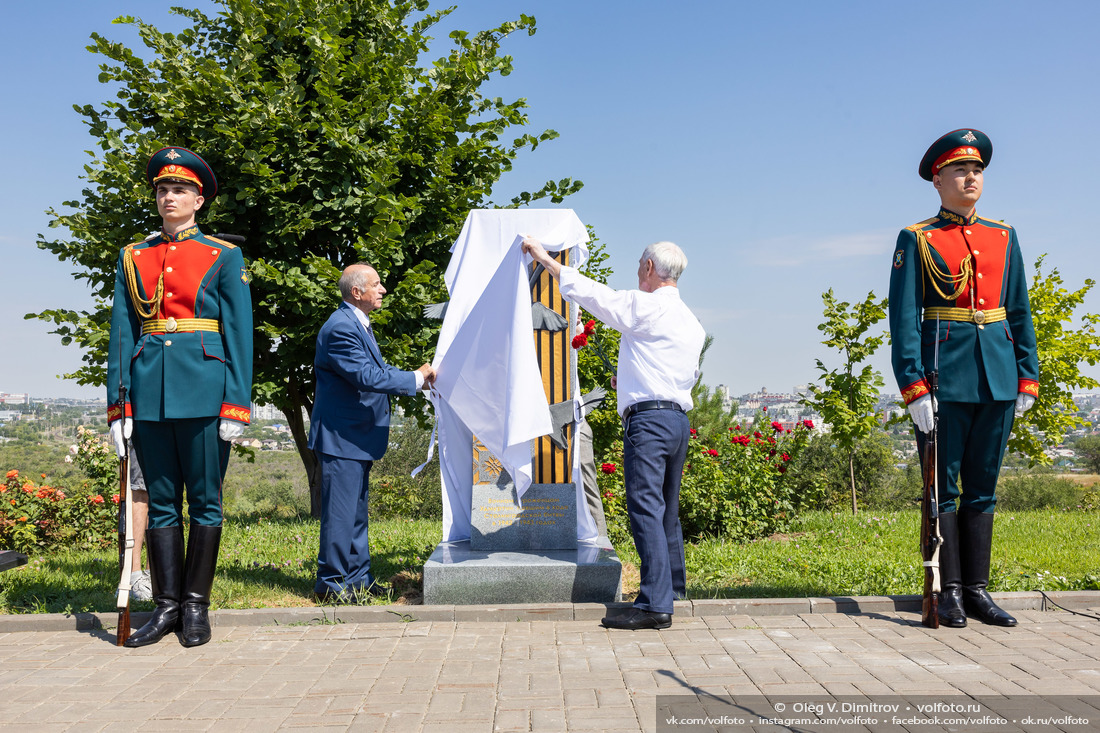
x: 658, y: 365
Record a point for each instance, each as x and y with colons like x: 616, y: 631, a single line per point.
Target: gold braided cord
x: 129, y: 272
x: 936, y: 275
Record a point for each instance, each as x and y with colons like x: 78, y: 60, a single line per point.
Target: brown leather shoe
x: 636, y: 619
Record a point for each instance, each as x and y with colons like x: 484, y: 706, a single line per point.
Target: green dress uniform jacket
x: 192, y: 355
x: 973, y: 267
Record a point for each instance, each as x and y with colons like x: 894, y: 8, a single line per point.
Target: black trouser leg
x: 198, y: 579
x: 951, y: 603
x: 976, y: 542
x: 165, y: 547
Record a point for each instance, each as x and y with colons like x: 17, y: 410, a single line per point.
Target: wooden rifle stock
x: 930, y: 525
x: 125, y: 517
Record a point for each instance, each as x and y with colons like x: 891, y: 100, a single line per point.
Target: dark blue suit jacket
x: 351, y: 410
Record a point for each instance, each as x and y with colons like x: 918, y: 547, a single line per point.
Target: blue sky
x: 777, y: 143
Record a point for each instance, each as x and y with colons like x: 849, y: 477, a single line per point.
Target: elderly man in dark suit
x: 349, y: 430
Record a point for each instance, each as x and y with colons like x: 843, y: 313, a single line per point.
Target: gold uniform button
x: 1004, y: 233
x: 976, y: 252
x: 173, y: 247
x: 167, y: 343
x: 168, y: 295
x: 968, y: 231
x: 167, y: 269
x: 137, y: 252
x: 981, y: 301
x: 214, y: 252
x: 979, y: 276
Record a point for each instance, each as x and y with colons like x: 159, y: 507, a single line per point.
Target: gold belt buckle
x: 979, y: 317
x: 170, y: 326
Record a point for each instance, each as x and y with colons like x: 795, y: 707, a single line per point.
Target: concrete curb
x: 758, y: 607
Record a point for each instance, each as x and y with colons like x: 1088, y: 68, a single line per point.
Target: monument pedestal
x: 523, y: 555
x: 457, y: 575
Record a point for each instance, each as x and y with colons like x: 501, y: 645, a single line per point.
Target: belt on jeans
x: 651, y: 405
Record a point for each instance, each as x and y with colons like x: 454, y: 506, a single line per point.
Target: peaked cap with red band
x: 180, y: 164
x: 966, y: 144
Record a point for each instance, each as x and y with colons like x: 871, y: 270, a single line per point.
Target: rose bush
x: 37, y: 516
x: 735, y: 485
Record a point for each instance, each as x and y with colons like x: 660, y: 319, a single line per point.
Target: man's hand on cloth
x: 121, y: 430
x: 1024, y: 402
x: 428, y: 372
x: 534, y: 248
x: 922, y: 411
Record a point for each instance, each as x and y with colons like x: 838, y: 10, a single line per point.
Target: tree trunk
x: 294, y: 418
x: 852, y: 475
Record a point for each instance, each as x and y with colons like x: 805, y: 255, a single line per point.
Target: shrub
x: 403, y: 496
x: 1037, y: 489
x: 735, y: 485
x: 36, y: 517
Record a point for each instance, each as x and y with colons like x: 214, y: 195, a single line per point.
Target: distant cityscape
x: 785, y: 408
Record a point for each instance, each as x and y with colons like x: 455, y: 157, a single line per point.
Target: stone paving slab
x: 425, y: 669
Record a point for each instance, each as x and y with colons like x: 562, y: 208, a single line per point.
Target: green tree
x: 1061, y: 352
x: 1088, y: 452
x: 332, y: 145
x: 709, y: 416
x: 847, y: 399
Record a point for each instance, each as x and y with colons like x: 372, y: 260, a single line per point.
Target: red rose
x: 782, y: 469
x: 809, y: 424
x: 786, y: 457
x: 693, y: 431
x: 712, y: 452
x: 764, y: 408
x: 580, y: 340
x: 607, y: 467
x: 776, y: 426
x: 756, y: 433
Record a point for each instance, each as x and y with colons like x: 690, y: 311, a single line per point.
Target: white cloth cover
x: 488, y: 380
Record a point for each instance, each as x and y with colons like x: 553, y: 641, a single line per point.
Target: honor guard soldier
x: 958, y: 292
x: 182, y: 322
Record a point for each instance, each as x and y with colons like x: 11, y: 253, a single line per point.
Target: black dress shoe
x: 636, y: 618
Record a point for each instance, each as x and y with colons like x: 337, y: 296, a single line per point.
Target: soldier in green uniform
x: 182, y: 320
x: 958, y: 287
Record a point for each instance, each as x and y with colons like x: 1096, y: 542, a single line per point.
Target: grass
x: 267, y: 562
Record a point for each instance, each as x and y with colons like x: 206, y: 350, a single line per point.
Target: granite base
x: 457, y: 575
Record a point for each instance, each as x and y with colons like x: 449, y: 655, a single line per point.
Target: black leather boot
x: 950, y: 608
x: 165, y: 547
x: 198, y: 579
x: 976, y: 543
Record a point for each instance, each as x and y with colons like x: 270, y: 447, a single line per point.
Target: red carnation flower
x: 580, y: 340
x: 589, y: 328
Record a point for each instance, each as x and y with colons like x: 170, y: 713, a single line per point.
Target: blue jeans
x: 654, y: 448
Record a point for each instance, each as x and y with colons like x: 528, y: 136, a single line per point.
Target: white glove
x: 921, y: 411
x: 121, y: 430
x: 1024, y: 402
x: 229, y: 429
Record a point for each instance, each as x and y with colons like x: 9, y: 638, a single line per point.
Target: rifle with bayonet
x: 125, y: 515
x: 930, y: 539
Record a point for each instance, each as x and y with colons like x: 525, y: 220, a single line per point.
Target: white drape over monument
x: 489, y: 383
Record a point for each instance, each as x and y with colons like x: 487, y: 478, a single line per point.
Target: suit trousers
x: 654, y: 449
x: 972, y: 441
x: 174, y: 454
x: 343, y: 556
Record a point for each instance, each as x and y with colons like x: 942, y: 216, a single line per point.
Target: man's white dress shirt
x: 661, y: 338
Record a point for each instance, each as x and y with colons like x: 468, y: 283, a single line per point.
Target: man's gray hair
x: 353, y: 276
x: 669, y: 261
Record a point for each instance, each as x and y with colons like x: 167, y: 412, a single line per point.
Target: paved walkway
x: 442, y: 673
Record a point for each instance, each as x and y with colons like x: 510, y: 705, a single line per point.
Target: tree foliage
x: 1061, y: 352
x: 332, y: 145
x: 846, y: 399
x: 1088, y: 452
